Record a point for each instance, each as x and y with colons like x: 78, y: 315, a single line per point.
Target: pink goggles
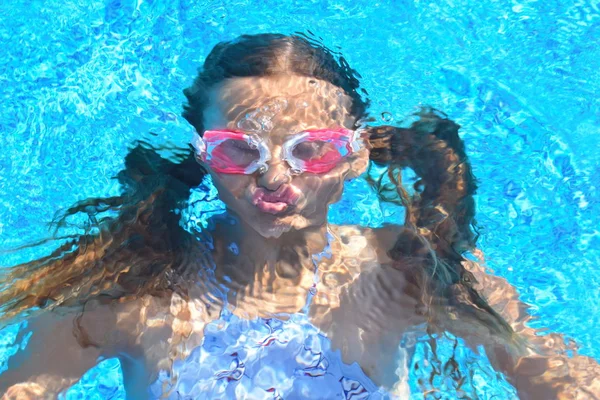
x: 316, y: 151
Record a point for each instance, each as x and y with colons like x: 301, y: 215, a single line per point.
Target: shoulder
x: 132, y: 321
x: 118, y: 324
x: 364, y: 257
x: 366, y: 243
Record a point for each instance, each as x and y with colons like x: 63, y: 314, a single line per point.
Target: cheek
x: 323, y: 190
x: 332, y: 182
x: 231, y: 185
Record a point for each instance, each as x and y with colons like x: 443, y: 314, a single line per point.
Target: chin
x: 273, y: 231
x: 278, y: 226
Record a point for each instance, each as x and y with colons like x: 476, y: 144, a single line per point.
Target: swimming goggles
x: 316, y: 151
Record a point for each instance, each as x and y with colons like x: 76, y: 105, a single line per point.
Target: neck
x: 287, y: 255
x: 306, y: 242
x: 267, y: 275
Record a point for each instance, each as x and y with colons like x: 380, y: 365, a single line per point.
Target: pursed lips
x: 275, y: 202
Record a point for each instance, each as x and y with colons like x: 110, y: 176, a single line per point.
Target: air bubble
x: 387, y: 116
x: 281, y: 104
x: 265, y: 122
x: 248, y: 125
x: 233, y: 247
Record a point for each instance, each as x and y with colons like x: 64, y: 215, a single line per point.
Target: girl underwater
x: 281, y: 127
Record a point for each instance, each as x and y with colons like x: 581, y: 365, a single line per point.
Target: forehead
x: 267, y: 104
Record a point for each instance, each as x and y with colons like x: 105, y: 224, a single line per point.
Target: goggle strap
x: 199, y: 145
x: 356, y: 142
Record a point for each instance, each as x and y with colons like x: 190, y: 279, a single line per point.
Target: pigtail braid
x: 440, y: 214
x: 131, y: 252
x: 443, y: 207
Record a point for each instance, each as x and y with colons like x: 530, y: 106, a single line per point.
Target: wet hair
x: 144, y: 250
x: 267, y: 55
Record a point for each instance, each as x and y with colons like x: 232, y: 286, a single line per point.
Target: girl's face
x: 275, y: 108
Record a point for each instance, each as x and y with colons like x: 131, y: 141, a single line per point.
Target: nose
x: 275, y: 176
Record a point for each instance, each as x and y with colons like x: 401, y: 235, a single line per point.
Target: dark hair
x: 140, y: 249
x: 265, y: 55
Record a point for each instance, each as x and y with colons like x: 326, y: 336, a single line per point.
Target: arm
x: 63, y: 347
x: 543, y: 368
x: 52, y: 361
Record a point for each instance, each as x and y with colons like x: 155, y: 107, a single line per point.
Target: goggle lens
x: 319, y: 156
x: 232, y: 153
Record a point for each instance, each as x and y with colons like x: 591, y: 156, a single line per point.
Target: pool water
x: 81, y: 80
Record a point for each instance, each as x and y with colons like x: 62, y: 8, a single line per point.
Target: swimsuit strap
x: 316, y: 259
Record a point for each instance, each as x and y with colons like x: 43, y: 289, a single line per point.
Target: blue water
x: 81, y: 80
